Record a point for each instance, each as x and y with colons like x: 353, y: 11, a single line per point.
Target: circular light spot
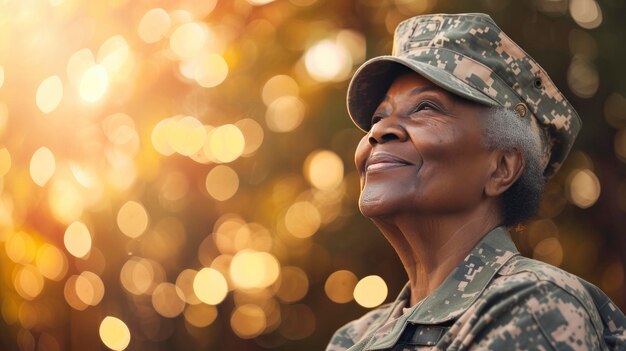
x: 583, y: 77
x: 154, y: 25
x: 222, y: 182
x: 184, y: 282
x: 226, y: 143
x: 370, y: 291
x: 324, y: 169
x: 279, y: 86
x: 294, y: 284
x: 69, y: 292
x: 328, y: 61
x: 210, y: 70
x: 252, y: 133
x: 248, y: 321
x: 302, y: 219
x: 210, y: 286
x: 89, y: 288
x: 340, y: 285
x: 94, y: 83
x: 1, y: 76
x: 20, y: 247
x: 132, y: 219
x: 620, y: 145
x: 549, y: 250
x: 113, y: 53
x: 138, y: 276
x: 584, y: 188
x: 114, y: 333
x: 586, y: 13
x: 161, y: 136
x: 186, y: 135
x: 65, y: 200
x: 51, y: 262
x: 615, y: 110
x: 78, y: 64
x: 201, y: 315
x: 250, y: 269
x: 42, y: 166
x: 28, y: 282
x: 168, y: 300
x: 285, y: 114
x: 49, y: 94
x: 188, y: 39
x: 77, y: 239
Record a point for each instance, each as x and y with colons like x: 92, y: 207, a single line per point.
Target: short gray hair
x: 505, y: 130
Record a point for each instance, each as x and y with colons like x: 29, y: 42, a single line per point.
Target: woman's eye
x: 426, y: 105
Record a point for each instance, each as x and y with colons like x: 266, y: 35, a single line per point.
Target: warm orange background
x: 178, y: 174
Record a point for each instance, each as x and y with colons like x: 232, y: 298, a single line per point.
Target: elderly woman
x: 463, y: 129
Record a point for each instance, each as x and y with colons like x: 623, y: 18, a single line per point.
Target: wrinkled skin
x: 424, y: 153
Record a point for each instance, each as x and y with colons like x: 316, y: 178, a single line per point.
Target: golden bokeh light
x: 285, y: 114
x: 222, y: 182
x: 69, y: 292
x: 161, y: 136
x: 20, y: 247
x: 323, y: 169
x: 208, y: 70
x: 184, y: 282
x: 28, y: 282
x: 42, y: 166
x: 250, y: 269
x: 225, y: 143
x: 139, y: 275
x: 132, y: 219
x: 248, y: 321
x: 154, y: 25
x: 549, y: 250
x: 5, y: 161
x: 370, y: 291
x: 293, y: 284
x: 584, y: 188
x: 94, y: 83
x: 77, y: 239
x: 615, y: 110
x: 65, y: 200
x: 339, y: 286
x: 78, y: 64
x: 201, y: 315
x: 327, y: 60
x: 89, y: 288
x: 168, y: 300
x: 1, y: 76
x: 51, y: 262
x: 49, y: 94
x: 586, y: 13
x: 302, y: 219
x: 620, y: 145
x: 114, y: 333
x: 279, y: 86
x: 253, y: 135
x: 583, y: 77
x: 210, y: 286
x: 189, y: 39
x: 186, y: 135
x: 113, y: 53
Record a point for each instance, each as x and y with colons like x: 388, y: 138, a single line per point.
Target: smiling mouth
x: 382, y: 161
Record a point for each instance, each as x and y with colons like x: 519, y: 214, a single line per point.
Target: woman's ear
x: 507, y: 168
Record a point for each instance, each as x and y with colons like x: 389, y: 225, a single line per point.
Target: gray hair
x: 505, y: 130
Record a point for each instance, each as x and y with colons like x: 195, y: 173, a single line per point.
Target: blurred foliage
x: 178, y: 174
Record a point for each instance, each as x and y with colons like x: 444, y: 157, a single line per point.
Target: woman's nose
x: 385, y: 130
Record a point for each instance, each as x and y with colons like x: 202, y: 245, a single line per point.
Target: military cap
x: 470, y: 56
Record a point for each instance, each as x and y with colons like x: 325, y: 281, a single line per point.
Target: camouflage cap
x: 468, y: 55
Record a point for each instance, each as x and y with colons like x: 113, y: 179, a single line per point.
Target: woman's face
x: 424, y: 153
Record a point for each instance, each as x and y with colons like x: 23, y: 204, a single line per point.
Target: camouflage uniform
x: 495, y: 299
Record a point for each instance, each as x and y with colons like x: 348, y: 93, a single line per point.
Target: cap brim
x: 372, y: 80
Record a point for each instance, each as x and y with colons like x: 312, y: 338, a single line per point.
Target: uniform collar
x: 460, y: 289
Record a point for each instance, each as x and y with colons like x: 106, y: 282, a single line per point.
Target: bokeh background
x: 178, y: 174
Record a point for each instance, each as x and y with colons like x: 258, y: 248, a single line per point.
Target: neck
x: 431, y: 246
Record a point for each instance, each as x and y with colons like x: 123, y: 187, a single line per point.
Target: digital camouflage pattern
x: 494, y: 300
x: 467, y: 54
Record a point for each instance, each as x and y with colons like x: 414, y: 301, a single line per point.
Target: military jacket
x: 494, y: 299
